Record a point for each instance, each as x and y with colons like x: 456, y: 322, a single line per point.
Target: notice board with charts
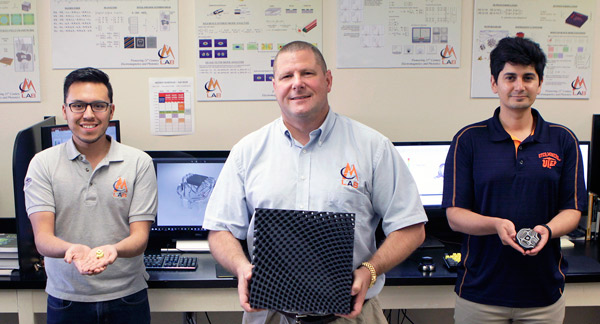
x: 19, y: 60
x: 398, y: 34
x: 238, y: 40
x: 114, y: 34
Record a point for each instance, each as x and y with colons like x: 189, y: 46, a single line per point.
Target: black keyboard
x: 170, y: 262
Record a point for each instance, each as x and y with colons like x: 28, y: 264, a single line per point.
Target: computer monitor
x: 584, y: 147
x: 28, y: 142
x: 58, y: 134
x: 594, y: 158
x: 185, y: 180
x: 426, y: 161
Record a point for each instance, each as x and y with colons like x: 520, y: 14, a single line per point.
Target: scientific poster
x: 171, y: 110
x: 114, y: 34
x: 564, y: 30
x: 238, y: 40
x: 395, y: 34
x: 19, y: 60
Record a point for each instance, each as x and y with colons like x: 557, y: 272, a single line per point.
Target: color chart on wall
x: 171, y: 106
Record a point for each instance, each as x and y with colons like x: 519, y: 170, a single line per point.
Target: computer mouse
x: 426, y: 264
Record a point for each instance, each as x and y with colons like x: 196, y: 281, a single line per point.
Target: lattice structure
x: 302, y: 261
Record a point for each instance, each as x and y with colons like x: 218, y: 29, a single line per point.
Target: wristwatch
x: 372, y: 271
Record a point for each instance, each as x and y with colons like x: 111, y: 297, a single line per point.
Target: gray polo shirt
x: 93, y: 207
x: 345, y: 167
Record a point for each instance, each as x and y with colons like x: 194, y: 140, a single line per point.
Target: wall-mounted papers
x: 114, y: 34
x: 563, y: 28
x: 391, y: 33
x: 19, y: 60
x: 238, y: 40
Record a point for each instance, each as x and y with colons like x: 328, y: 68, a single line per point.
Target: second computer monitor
x: 426, y: 161
x: 185, y: 180
x: 58, y: 134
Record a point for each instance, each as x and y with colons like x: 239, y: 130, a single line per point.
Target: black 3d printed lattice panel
x: 302, y: 261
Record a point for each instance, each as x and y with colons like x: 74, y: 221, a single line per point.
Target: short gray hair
x: 296, y: 46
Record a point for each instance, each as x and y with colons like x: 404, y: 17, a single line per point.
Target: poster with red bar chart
x: 171, y: 106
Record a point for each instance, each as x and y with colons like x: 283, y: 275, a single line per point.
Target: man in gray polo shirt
x: 91, y: 202
x: 314, y: 159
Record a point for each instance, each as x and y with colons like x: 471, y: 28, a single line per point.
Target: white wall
x: 404, y: 104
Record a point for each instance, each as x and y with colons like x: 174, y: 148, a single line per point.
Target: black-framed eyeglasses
x: 97, y: 106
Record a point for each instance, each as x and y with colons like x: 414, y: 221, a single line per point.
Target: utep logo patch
x: 549, y: 159
x: 349, y: 176
x: 120, y: 188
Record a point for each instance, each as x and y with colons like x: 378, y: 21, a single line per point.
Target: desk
x: 29, y: 301
x: 406, y: 287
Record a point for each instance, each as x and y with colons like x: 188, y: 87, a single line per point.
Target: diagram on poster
x: 395, y: 34
x: 114, y: 34
x: 19, y: 63
x: 564, y: 30
x: 171, y: 110
x: 238, y: 40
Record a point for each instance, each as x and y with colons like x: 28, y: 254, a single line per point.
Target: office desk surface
x: 582, y: 259
x: 406, y: 287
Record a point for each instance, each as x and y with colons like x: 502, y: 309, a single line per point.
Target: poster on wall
x: 19, y: 60
x: 171, y: 110
x: 238, y: 40
x: 397, y: 34
x: 114, y: 34
x: 564, y: 30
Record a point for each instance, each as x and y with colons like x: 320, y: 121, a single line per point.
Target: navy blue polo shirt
x: 529, y: 186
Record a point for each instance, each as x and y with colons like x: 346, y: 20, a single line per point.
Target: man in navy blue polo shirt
x: 509, y: 172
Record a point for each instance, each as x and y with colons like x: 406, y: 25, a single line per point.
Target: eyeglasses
x: 79, y: 107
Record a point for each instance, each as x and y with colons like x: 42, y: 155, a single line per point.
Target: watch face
x: 527, y: 238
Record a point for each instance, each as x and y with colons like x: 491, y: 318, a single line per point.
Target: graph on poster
x: 171, y: 106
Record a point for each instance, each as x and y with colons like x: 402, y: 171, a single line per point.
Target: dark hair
x: 299, y: 46
x: 87, y: 74
x: 517, y: 50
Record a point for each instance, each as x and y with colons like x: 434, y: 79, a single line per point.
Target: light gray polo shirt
x: 345, y: 167
x: 93, y: 207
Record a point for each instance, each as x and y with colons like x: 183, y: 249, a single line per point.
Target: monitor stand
x: 192, y: 246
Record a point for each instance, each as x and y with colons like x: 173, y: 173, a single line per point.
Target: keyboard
x: 170, y: 262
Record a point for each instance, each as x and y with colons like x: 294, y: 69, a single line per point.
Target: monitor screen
x: 426, y: 161
x: 185, y: 180
x: 584, y: 147
x: 58, y: 134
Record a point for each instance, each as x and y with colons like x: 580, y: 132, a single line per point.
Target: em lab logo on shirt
x: 349, y: 176
x: 549, y: 159
x: 120, y: 188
